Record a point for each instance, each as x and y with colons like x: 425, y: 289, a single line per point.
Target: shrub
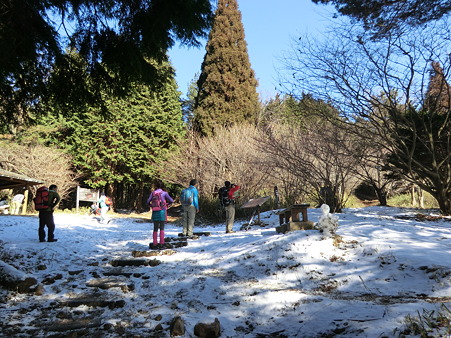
x: 429, y: 323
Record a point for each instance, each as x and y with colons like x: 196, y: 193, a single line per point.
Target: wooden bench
x: 289, y: 218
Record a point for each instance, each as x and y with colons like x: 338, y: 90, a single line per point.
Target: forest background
x: 88, y: 97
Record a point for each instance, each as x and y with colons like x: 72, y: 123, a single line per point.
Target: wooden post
x: 276, y: 197
x: 77, y: 203
x: 25, y: 201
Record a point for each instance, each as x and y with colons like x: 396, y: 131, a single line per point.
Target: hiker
x: 16, y: 202
x: 46, y: 215
x: 190, y: 204
x: 227, y: 197
x: 4, y: 206
x: 159, y: 201
x: 104, y: 203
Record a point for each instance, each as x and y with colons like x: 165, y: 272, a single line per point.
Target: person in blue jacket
x: 104, y: 205
x: 189, y: 211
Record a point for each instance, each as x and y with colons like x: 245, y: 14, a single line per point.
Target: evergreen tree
x: 188, y: 103
x: 113, y: 38
x: 127, y: 143
x: 438, y: 95
x: 126, y: 140
x: 295, y: 112
x: 383, y: 17
x: 227, y: 88
x: 422, y: 151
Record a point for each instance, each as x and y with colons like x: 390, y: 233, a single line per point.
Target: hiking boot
x: 42, y: 240
x: 52, y: 240
x: 230, y: 232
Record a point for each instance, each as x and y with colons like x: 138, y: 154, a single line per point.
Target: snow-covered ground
x: 258, y: 283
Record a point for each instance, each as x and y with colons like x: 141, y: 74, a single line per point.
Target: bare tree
x: 318, y: 158
x: 384, y: 83
x: 369, y: 168
x: 231, y: 154
x: 50, y: 165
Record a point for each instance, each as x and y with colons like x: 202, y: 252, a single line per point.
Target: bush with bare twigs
x: 43, y: 163
x: 230, y: 155
x: 310, y: 159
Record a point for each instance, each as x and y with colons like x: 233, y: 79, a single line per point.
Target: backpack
x: 156, y: 202
x: 41, y: 201
x: 223, y: 195
x: 187, y: 197
x: 108, y: 200
x: 233, y: 195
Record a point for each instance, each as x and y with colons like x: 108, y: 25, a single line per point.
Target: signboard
x: 255, y: 202
x: 88, y: 195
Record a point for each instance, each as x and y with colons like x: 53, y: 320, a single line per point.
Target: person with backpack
x: 189, y: 199
x: 104, y: 203
x: 159, y: 201
x: 46, y: 201
x: 16, y: 203
x: 227, y: 198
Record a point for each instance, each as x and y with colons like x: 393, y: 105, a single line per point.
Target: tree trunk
x: 139, y: 198
x: 420, y: 197
x: 444, y: 201
x: 413, y: 200
x: 381, y: 195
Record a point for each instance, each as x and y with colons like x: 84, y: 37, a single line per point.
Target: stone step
x: 112, y: 282
x: 165, y: 246
x: 91, y: 301
x: 135, y: 262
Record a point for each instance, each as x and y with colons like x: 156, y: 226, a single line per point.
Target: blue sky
x: 269, y: 27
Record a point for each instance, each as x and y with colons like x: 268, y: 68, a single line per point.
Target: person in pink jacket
x: 159, y: 200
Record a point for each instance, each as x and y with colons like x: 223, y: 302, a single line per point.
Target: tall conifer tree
x: 227, y: 87
x: 438, y: 96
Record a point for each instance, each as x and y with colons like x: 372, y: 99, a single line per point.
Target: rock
x: 51, y: 279
x: 211, y: 330
x: 293, y: 226
x: 39, y: 291
x: 177, y: 327
x: 16, y: 280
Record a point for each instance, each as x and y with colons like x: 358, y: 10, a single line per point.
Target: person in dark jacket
x: 227, y: 195
x: 46, y: 216
x: 159, y: 201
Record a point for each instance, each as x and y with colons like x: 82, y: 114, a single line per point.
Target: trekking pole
x: 251, y: 220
